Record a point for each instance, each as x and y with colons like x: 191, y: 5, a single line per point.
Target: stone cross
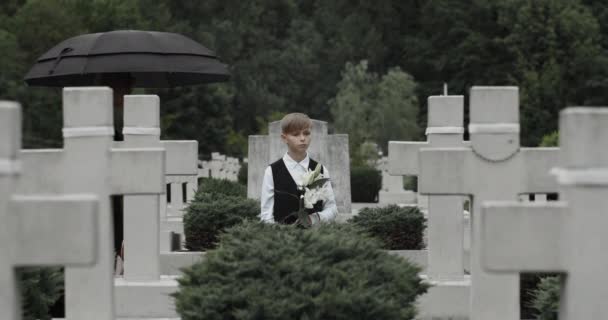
x: 445, y: 212
x: 142, y: 129
x: 89, y: 163
x: 37, y: 230
x: 182, y: 157
x: 142, y: 212
x: 494, y: 168
x: 568, y: 236
x: 329, y: 149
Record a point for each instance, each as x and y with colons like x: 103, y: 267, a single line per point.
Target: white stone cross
x: 38, y: 229
x: 142, y: 129
x: 568, y: 236
x: 494, y: 168
x: 445, y: 212
x: 89, y: 163
x: 142, y: 212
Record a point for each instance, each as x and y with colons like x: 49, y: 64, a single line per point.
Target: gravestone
x: 495, y: 167
x: 89, y: 163
x: 567, y: 236
x: 38, y: 230
x: 330, y: 150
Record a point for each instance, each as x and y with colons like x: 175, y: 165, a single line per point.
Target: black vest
x: 285, y: 204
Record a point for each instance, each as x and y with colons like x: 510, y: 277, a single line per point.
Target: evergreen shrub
x: 398, y: 228
x: 221, y: 186
x: 545, y: 299
x: 264, y: 271
x: 40, y: 288
x: 211, y: 213
x: 365, y: 183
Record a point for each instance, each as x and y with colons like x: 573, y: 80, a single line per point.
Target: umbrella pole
x: 119, y: 93
x: 120, y: 88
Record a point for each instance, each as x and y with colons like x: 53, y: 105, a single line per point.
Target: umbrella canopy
x: 148, y: 59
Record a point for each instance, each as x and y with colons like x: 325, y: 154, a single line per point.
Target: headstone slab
x: 494, y: 123
x: 10, y: 126
x: 259, y: 148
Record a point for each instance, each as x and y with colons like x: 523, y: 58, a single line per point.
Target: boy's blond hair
x: 295, y: 122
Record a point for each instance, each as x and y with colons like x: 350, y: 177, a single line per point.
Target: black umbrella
x: 147, y: 59
x: 122, y: 60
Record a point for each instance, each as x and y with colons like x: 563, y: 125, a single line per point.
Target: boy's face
x: 297, y: 141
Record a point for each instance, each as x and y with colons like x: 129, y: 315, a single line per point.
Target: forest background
x: 366, y: 67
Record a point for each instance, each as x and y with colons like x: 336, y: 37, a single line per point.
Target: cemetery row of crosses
x: 55, y: 205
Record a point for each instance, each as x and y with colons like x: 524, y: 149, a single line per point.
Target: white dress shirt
x: 296, y: 170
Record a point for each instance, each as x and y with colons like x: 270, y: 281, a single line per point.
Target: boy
x: 285, y: 175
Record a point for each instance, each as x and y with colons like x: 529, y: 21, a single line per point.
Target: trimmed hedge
x: 221, y: 186
x: 40, y: 288
x: 264, y: 271
x: 545, y: 298
x: 211, y: 213
x: 398, y: 228
x: 365, y: 184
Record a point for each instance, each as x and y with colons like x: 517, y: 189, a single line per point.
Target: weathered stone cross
x: 445, y: 225
x: 494, y: 168
x: 38, y: 229
x: 89, y: 163
x: 142, y: 129
x: 567, y: 236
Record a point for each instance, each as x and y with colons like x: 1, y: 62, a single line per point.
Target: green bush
x: 242, y: 176
x: 365, y: 183
x: 263, y: 271
x: 550, y: 140
x: 211, y: 213
x: 545, y: 298
x: 221, y: 186
x: 40, y: 289
x: 410, y: 183
x: 398, y: 228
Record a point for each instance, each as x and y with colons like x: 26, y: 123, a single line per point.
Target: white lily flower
x: 310, y: 198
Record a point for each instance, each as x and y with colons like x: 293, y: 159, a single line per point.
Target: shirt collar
x: 291, y: 163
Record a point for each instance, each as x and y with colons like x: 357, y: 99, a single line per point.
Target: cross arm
x: 445, y: 171
x: 403, y: 157
x: 44, y: 174
x: 138, y: 171
x: 537, y: 164
x: 521, y: 236
x: 54, y: 230
x: 181, y: 157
